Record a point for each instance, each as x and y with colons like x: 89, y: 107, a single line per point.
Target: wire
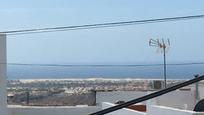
x: 99, y: 25
x: 130, y: 65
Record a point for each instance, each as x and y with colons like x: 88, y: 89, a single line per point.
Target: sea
x: 112, y: 72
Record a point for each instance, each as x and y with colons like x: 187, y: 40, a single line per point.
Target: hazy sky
x: 116, y: 45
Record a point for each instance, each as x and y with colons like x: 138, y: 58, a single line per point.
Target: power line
x: 100, y: 25
x: 130, y: 65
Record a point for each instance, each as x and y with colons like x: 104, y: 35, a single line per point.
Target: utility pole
x: 161, y: 45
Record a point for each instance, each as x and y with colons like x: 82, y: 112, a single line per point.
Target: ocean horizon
x: 102, y: 71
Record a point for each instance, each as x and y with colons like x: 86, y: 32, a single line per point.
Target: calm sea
x: 145, y: 72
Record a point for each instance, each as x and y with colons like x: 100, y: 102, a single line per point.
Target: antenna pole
x: 164, y: 48
x: 161, y: 44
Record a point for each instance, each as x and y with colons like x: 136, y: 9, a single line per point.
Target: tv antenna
x: 164, y: 46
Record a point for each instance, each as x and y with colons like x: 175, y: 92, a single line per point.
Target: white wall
x: 152, y: 110
x: 161, y: 110
x: 114, y: 96
x: 19, y: 110
x: 3, y: 93
x: 124, y: 111
x: 201, y: 91
x: 176, y: 99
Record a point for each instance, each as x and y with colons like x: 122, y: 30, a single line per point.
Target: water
x: 144, y: 72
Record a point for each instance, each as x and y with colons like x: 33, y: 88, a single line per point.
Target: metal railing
x: 149, y: 96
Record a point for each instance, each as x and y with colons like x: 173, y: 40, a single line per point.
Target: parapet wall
x: 176, y: 99
x: 161, y: 110
x: 21, y: 110
x: 114, y: 96
x: 124, y: 111
x: 152, y: 110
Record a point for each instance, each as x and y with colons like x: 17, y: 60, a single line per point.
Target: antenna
x: 164, y: 46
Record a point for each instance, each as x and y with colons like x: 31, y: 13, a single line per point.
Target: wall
x: 114, y: 96
x: 3, y: 97
x: 123, y: 111
x: 19, y: 110
x: 177, y: 99
x: 201, y: 91
x: 152, y: 110
x: 161, y: 110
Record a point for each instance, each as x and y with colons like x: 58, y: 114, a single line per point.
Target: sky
x: 114, y: 45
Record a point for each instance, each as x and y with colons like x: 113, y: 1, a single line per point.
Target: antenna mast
x: 162, y: 45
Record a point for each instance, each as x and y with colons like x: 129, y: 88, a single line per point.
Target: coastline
x: 95, y: 79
